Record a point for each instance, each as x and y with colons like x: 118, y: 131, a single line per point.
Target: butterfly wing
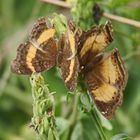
x: 77, y: 31
x: 67, y: 59
x: 37, y: 54
x: 106, y: 81
x: 41, y: 31
x: 93, y: 42
x: 31, y: 59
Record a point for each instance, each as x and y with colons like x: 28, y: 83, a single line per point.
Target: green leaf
x: 105, y: 123
x: 77, y: 133
x: 55, y: 133
x: 85, y: 130
x: 62, y: 124
x: 85, y: 102
x: 121, y: 137
x: 50, y: 135
x: 60, y: 23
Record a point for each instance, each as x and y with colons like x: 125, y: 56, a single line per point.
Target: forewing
x: 67, y: 59
x: 106, y: 82
x: 93, y: 42
x: 41, y: 31
x: 77, y: 31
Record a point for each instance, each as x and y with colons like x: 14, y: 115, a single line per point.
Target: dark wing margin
x: 41, y: 31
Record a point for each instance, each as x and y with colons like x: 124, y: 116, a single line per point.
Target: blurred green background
x: 16, y: 20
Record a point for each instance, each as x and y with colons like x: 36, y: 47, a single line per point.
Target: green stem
x: 96, y: 120
x: 75, y: 112
x: 73, y: 117
x: 94, y: 115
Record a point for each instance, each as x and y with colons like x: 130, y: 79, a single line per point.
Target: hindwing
x: 106, y: 81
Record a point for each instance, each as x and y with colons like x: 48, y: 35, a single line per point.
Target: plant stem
x: 96, y: 120
x: 122, y: 20
x: 58, y: 3
x: 74, y: 115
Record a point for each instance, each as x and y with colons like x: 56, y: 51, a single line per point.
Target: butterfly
x: 104, y: 74
x: 77, y: 53
x: 41, y: 52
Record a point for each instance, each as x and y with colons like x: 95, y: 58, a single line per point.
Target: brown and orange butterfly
x: 41, y: 52
x: 105, y: 75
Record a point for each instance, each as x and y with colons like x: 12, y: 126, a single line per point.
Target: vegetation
x: 72, y: 121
